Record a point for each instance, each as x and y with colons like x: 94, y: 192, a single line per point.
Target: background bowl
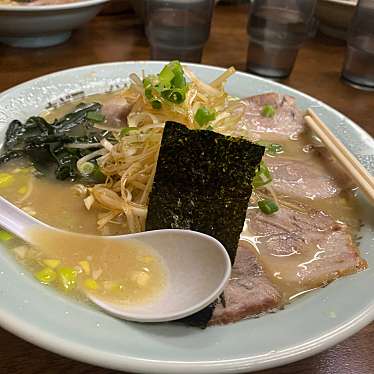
x: 31, y: 26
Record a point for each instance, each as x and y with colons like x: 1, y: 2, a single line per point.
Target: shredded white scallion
x: 130, y: 164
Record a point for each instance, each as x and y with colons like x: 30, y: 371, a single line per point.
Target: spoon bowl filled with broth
x: 156, y: 276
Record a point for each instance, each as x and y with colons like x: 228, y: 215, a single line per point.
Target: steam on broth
x: 289, y: 257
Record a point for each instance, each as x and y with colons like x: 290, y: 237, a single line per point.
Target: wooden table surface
x: 120, y: 38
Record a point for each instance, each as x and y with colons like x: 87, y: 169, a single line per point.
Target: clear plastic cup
x: 178, y: 29
x: 277, y: 29
x: 358, y: 69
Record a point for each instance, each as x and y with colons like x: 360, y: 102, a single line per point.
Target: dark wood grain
x: 121, y: 38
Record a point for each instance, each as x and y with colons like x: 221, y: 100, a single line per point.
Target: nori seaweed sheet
x: 203, y: 182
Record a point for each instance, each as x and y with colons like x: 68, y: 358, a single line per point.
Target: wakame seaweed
x: 44, y: 143
x: 203, y: 182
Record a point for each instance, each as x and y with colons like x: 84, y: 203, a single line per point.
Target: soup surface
x: 126, y: 271
x: 308, y: 243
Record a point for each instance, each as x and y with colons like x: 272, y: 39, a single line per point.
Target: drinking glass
x: 358, y: 69
x: 277, y: 29
x: 178, y: 29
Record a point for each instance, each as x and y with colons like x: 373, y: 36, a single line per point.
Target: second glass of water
x: 358, y: 70
x: 277, y: 29
x: 178, y: 29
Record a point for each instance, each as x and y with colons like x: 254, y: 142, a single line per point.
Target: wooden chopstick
x: 341, y: 147
x: 350, y: 164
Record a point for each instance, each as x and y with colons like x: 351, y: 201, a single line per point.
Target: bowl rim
x: 47, y: 339
x: 45, y: 8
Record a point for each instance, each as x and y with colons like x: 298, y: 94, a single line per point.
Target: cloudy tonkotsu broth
x: 55, y: 202
x: 131, y: 277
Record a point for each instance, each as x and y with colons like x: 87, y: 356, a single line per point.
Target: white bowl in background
x: 30, y: 26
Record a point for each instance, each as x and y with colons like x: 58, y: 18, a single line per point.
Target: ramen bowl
x: 310, y: 324
x: 33, y: 26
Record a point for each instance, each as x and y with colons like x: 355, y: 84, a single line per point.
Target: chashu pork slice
x: 302, y: 179
x: 248, y: 293
x: 303, y: 248
x: 116, y: 110
x: 299, y: 250
x: 286, y: 122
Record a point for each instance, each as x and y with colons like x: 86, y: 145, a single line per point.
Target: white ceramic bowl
x: 32, y: 26
x: 307, y: 326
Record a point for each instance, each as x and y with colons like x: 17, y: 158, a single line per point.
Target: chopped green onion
x: 86, y: 168
x: 172, y: 76
x: 5, y: 236
x: 166, y: 75
x: 95, y: 116
x: 68, y: 278
x: 46, y: 276
x: 268, y: 206
x: 126, y: 130
x: 203, y: 115
x: 92, y: 170
x: 6, y: 179
x: 156, y: 104
x: 170, y: 84
x: 175, y: 96
x: 91, y: 284
x: 176, y: 66
x: 148, y: 92
x: 275, y: 149
x: 271, y: 148
x: 179, y: 81
x: 262, y: 176
x: 268, y: 111
x: 147, y: 84
x: 97, y: 175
